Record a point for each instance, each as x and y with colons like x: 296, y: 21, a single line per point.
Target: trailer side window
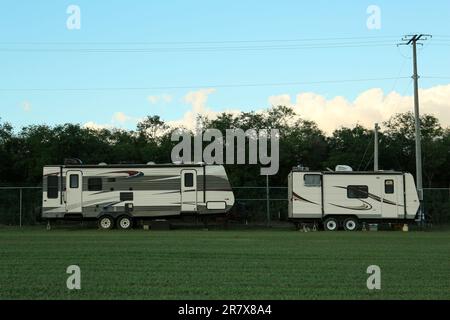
x: 389, y: 186
x: 357, y: 192
x: 95, y: 184
x: 312, y: 180
x: 188, y: 180
x: 52, y: 187
x: 73, y: 181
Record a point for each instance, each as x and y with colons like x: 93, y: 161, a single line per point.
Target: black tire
x: 124, y: 223
x: 351, y: 224
x: 331, y: 224
x: 105, y: 223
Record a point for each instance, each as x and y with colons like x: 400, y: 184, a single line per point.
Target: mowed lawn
x: 187, y: 264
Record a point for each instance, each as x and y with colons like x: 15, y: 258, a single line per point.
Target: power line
x: 193, y: 46
x: 437, y: 77
x: 193, y: 42
x: 198, y: 49
x: 364, y: 156
x: 399, y: 73
x: 368, y: 162
x: 199, y: 86
x: 408, y: 86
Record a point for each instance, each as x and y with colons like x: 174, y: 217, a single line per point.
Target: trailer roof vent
x: 127, y: 162
x: 73, y: 161
x: 343, y: 168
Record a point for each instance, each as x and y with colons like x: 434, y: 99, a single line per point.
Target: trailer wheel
x: 351, y: 224
x: 106, y: 223
x: 331, y: 224
x: 124, y: 223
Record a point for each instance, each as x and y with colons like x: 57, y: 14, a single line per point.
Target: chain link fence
x: 20, y: 205
x: 254, y: 205
x: 260, y: 204
x: 436, y: 204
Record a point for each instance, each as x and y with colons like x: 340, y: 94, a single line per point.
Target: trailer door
x: 74, y: 194
x: 392, y: 197
x: 307, y: 195
x: 188, y: 191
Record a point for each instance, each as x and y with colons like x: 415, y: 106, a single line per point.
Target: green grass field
x: 223, y: 264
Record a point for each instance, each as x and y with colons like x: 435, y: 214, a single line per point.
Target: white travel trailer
x: 347, y: 198
x: 120, y: 194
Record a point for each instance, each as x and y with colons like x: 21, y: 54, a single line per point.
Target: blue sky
x: 113, y: 24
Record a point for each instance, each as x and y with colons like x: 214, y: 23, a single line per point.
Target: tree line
x: 24, y: 151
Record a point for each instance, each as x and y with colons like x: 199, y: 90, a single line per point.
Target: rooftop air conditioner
x: 344, y: 168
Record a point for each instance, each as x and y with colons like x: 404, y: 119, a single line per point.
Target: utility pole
x: 267, y: 202
x: 414, y: 41
x: 375, y: 152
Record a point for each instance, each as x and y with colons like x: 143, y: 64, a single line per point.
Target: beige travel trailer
x: 117, y: 195
x: 345, y: 199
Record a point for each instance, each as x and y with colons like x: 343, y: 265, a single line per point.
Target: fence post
x: 20, y: 207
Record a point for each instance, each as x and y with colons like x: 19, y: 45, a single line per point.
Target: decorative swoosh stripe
x: 131, y: 173
x: 364, y: 207
x: 376, y: 198
x: 297, y: 197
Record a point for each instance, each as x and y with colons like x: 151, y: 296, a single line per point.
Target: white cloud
x: 164, y: 98
x: 280, y: 100
x: 26, y: 106
x: 153, y: 99
x: 369, y: 107
x: 118, y: 120
x: 97, y: 126
x: 198, y: 99
x: 121, y: 117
